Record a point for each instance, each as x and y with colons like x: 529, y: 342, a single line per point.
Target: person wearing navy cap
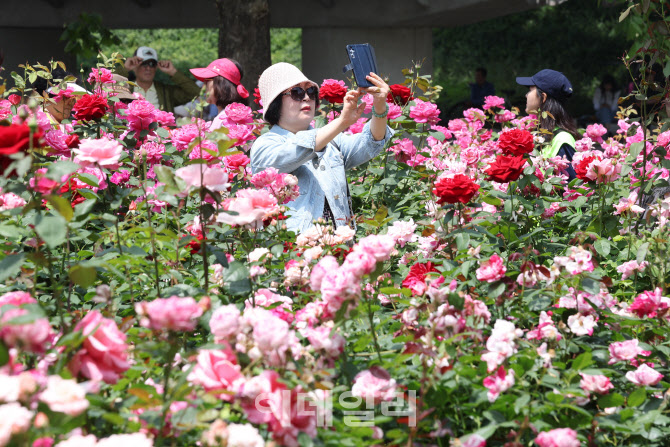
x: 548, y: 90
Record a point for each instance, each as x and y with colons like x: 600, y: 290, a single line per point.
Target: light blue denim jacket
x: 321, y: 175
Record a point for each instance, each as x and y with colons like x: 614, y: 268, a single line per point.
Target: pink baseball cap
x: 221, y: 67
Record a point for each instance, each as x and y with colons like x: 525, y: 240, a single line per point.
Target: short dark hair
x: 482, y: 70
x: 57, y: 75
x: 273, y: 112
x: 225, y: 91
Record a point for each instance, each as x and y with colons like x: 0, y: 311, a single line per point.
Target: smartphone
x: 362, y: 61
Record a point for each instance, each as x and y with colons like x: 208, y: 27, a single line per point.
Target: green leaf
x: 61, y: 205
x: 52, y: 230
x: 602, y: 247
x: 634, y: 151
x: 82, y: 275
x: 521, y: 402
x: 539, y: 303
x: 642, y: 252
x: 637, y: 397
x: 4, y: 355
x: 61, y: 169
x: 10, y: 266
x: 496, y: 289
x: 611, y: 400
x: 89, y: 179
x: 582, y: 361
x: 236, y: 278
x: 591, y: 286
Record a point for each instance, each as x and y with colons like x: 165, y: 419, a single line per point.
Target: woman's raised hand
x: 379, y: 92
x: 351, y: 110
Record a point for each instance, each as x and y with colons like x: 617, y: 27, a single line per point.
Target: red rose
x: 399, y: 94
x: 582, y: 167
x: 459, y: 188
x: 257, y: 96
x: 72, y: 141
x: 416, y: 278
x: 506, y: 169
x: 90, y: 107
x: 14, y: 99
x: 332, y: 91
x: 15, y: 138
x: 516, y: 142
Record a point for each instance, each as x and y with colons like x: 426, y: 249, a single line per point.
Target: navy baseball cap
x: 552, y: 82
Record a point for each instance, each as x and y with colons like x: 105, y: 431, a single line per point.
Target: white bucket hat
x: 277, y: 78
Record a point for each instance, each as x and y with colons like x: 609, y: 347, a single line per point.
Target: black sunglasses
x: 151, y: 64
x: 298, y: 93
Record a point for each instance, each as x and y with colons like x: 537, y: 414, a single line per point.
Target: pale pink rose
x: 270, y: 332
x: 424, y: 112
x: 559, y: 437
x: 360, y: 263
x: 244, y: 435
x: 266, y: 177
x: 260, y: 199
x: 625, y: 351
x: 604, y: 171
x: 579, y: 260
x: 498, y: 383
x: 33, y: 336
x: 491, y: 102
x: 628, y: 204
x: 98, y: 152
x: 217, y: 371
x: 325, y: 265
x: 492, y: 270
x: 325, y: 338
x: 64, y: 396
x: 213, y: 177
x: 132, y: 440
x: 79, y: 441
x: 403, y: 232
x: 580, y: 324
x: 9, y: 201
x: 241, y: 212
x: 500, y: 344
x: 627, y: 269
x: 267, y: 298
x: 339, y: 286
x: 644, y: 375
x: 544, y: 330
x: 103, y: 354
x: 378, y: 245
x: 374, y: 384
x: 174, y: 313
x: 258, y: 253
x: 225, y: 322
x: 14, y: 420
x: 598, y: 384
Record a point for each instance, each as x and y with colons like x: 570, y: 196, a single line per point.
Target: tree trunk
x: 244, y: 35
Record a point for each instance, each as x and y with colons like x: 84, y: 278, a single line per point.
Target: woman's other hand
x: 379, y: 92
x: 351, y: 110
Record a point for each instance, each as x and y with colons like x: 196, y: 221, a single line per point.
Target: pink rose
x: 103, y: 354
x: 101, y: 76
x: 374, y: 384
x: 237, y: 113
x: 205, y: 150
x: 598, y: 384
x: 213, y: 177
x: 98, y: 152
x: 183, y: 136
x: 79, y: 441
x: 491, y: 102
x: 644, y: 376
x: 64, y: 396
x: 492, y: 270
x: 498, y: 383
x: 164, y: 118
x: 473, y: 440
x: 140, y: 115
x: 403, y: 232
x: 154, y: 151
x: 325, y: 265
x: 241, y: 133
x: 131, y: 440
x: 173, y: 314
x: 560, y: 437
x: 648, y: 303
x: 16, y: 419
x: 225, y: 322
x: 267, y: 298
x: 378, y: 245
x: 627, y: 269
x: 595, y: 132
x: 9, y: 201
x: 424, y: 112
x: 360, y: 263
x: 625, y: 351
x: 357, y: 127
x: 33, y: 336
x: 395, y: 111
x: 217, y: 371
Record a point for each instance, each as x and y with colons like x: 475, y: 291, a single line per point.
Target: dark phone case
x: 363, y: 61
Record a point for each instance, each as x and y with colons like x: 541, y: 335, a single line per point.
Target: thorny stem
x: 372, y: 328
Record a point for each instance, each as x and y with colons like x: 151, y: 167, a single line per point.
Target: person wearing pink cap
x: 317, y: 157
x: 223, y: 80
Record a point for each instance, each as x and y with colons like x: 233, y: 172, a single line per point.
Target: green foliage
x: 86, y: 36
x: 582, y: 39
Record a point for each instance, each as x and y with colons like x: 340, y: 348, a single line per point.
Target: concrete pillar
x: 32, y: 45
x: 324, y: 50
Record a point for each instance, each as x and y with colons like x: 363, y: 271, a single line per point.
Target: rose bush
x: 151, y: 295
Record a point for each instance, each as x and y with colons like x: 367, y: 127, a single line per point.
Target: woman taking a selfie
x: 317, y: 157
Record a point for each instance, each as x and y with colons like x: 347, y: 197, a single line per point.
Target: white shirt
x: 150, y: 95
